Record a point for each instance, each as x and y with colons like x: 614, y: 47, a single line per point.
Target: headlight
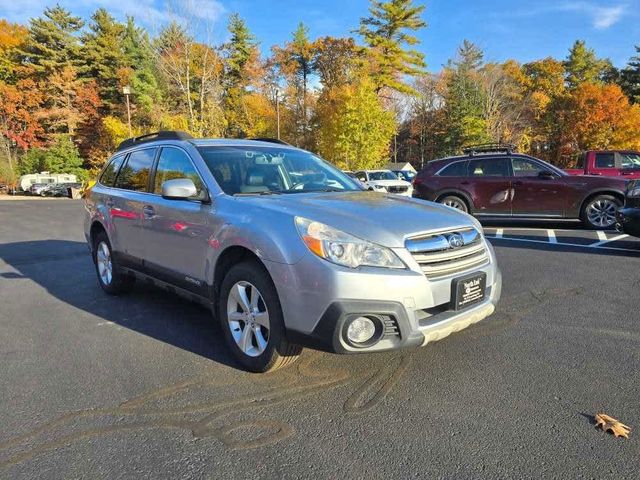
x: 380, y: 187
x: 634, y: 192
x: 344, y: 249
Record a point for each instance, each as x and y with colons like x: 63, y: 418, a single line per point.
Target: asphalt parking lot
x: 142, y: 386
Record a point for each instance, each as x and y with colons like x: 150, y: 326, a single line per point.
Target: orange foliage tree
x: 601, y: 117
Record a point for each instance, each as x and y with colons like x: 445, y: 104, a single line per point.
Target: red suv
x: 492, y: 181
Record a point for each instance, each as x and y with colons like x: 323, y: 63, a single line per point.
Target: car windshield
x: 249, y: 170
x: 384, y: 175
x: 405, y: 175
x: 630, y: 160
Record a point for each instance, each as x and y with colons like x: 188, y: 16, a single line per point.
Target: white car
x: 384, y: 181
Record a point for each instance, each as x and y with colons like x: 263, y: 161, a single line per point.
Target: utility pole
x: 278, y: 111
x: 127, y: 91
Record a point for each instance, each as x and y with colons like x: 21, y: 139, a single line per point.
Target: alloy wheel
x: 105, y: 266
x: 602, y: 213
x: 455, y: 203
x: 248, y: 318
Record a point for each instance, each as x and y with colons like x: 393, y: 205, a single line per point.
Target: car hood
x: 381, y: 218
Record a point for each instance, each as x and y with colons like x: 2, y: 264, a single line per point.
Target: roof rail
x: 152, y: 137
x: 507, y: 148
x: 269, y: 140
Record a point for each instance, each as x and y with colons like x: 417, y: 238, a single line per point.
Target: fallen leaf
x: 608, y: 423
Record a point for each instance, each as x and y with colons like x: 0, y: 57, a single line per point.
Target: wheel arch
x: 96, y: 228
x: 596, y: 193
x: 229, y: 257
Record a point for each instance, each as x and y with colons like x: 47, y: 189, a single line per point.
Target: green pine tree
x: 464, y: 99
x: 386, y: 33
x: 53, y: 42
x: 582, y: 65
x: 238, y: 53
x: 104, y: 57
x: 631, y: 77
x: 138, y: 58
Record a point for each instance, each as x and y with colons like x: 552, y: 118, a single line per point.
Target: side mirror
x: 546, y: 175
x: 179, y: 189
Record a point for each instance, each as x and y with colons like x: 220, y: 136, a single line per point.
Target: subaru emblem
x: 455, y: 240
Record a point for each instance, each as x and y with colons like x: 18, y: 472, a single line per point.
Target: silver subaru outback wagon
x: 285, y: 249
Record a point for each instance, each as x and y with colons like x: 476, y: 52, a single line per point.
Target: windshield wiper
x: 266, y: 192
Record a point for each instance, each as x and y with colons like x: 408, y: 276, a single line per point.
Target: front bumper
x: 628, y: 220
x: 319, y: 298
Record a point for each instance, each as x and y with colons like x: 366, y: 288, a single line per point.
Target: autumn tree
x: 12, y: 39
x: 357, y: 136
x: 600, y: 117
x: 296, y: 62
x: 336, y: 61
x: 20, y: 129
x: 387, y: 31
x: 192, y: 73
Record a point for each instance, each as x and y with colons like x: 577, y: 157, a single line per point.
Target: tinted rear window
x: 134, y: 175
x: 109, y: 174
x: 457, y: 169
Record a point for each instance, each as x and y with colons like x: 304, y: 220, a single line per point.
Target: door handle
x: 465, y: 182
x: 148, y: 211
x: 518, y: 183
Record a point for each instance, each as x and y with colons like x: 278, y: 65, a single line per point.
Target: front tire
x: 252, y: 321
x: 110, y: 276
x: 599, y: 213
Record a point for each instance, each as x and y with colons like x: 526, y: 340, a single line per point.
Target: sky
x: 523, y: 30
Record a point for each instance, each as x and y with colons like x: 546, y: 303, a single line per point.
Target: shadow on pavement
x: 147, y: 309
x: 528, y: 242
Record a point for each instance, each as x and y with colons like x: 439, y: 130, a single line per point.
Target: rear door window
x: 134, y: 175
x: 110, y: 173
x: 489, y: 167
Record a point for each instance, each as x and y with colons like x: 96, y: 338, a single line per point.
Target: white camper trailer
x: 45, y: 177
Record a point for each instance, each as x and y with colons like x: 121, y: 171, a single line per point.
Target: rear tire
x: 110, y: 276
x: 251, y: 319
x: 599, y: 213
x: 454, y: 201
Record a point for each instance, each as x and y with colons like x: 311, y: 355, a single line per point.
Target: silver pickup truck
x: 285, y: 249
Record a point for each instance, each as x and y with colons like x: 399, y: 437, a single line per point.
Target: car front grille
x: 397, y: 189
x: 438, y: 258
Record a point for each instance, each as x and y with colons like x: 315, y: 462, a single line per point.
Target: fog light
x: 361, y: 330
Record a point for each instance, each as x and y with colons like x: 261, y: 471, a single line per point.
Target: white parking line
x: 602, y: 242
x: 552, y: 236
x: 601, y: 235
x: 499, y: 232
